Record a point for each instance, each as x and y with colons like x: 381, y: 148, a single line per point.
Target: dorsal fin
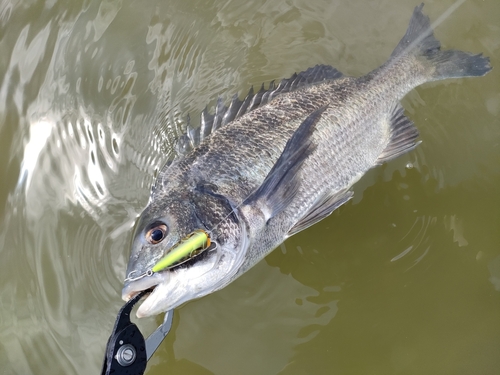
x: 237, y: 108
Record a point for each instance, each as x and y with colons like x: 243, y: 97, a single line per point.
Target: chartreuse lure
x: 187, y: 248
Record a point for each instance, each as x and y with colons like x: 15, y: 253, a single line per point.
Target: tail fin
x: 419, y: 41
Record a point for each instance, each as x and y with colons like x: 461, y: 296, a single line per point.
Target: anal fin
x: 403, y: 136
x: 321, y: 209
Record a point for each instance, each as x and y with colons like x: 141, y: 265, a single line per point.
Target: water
x: 405, y: 279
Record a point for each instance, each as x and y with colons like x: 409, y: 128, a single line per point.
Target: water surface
x: 404, y: 279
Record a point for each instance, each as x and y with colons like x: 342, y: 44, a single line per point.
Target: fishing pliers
x: 127, y: 352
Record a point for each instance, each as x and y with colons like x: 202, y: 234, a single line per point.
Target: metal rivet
x: 125, y: 355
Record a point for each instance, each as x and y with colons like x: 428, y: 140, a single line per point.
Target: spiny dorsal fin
x: 237, y: 108
x: 321, y: 209
x: 403, y: 135
x: 282, y: 182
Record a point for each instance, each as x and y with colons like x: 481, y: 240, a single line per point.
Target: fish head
x: 166, y: 220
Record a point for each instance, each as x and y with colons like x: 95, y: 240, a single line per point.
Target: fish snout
x: 135, y: 284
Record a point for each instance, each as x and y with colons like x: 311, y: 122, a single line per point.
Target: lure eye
x: 157, y: 233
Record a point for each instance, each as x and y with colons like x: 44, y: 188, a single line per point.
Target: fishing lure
x: 187, y: 248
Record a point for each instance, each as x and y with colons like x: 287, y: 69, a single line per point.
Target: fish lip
x: 132, y: 287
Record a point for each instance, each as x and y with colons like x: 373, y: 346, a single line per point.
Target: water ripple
x: 92, y: 97
x: 418, y: 240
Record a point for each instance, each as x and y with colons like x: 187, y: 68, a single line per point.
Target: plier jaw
x: 127, y: 353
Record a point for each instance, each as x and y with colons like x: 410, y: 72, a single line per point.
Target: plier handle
x: 127, y: 352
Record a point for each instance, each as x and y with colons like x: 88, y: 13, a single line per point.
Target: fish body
x: 276, y: 167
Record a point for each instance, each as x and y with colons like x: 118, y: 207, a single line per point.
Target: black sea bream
x: 265, y: 168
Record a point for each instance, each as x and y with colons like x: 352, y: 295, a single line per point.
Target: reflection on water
x: 298, y: 318
x: 92, y: 98
x: 494, y: 267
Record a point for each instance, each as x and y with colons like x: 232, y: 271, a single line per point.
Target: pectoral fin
x: 283, y: 181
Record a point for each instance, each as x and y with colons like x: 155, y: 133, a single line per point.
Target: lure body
x: 187, y: 248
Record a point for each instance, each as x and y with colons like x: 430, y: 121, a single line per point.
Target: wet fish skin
x: 283, y: 166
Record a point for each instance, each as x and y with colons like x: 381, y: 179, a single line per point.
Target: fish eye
x: 156, y: 233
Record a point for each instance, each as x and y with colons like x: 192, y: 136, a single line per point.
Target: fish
x: 264, y: 168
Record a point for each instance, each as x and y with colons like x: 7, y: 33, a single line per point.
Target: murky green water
x: 405, y: 279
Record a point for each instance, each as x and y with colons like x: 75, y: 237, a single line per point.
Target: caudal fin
x: 419, y: 41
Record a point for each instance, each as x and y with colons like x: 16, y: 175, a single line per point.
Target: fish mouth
x: 158, y: 286
x: 204, y: 274
x: 132, y: 286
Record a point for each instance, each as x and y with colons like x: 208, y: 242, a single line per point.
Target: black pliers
x: 127, y: 353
